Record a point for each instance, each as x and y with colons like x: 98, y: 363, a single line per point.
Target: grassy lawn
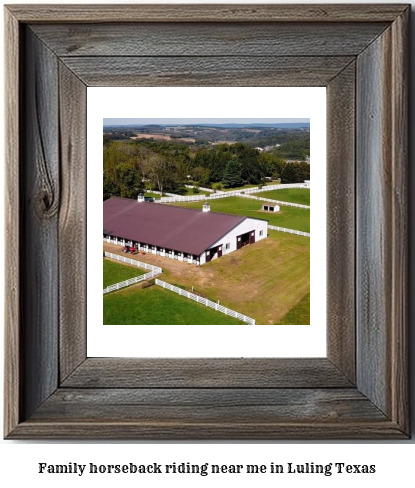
x: 289, y: 217
x: 294, y: 195
x: 117, y: 272
x: 263, y: 281
x: 239, y: 188
x: 189, y: 192
x: 152, y: 195
x: 279, y: 276
x: 251, y: 186
x: 157, y: 306
x: 299, y: 314
x: 181, y: 192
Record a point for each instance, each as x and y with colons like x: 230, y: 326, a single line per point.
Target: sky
x: 126, y: 121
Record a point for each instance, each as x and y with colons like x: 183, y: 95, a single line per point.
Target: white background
x: 394, y: 460
x: 209, y: 341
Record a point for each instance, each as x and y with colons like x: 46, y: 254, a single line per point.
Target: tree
x: 201, y: 175
x: 109, y: 188
x: 217, y: 186
x: 129, y: 181
x: 232, y: 175
x: 162, y: 172
x: 292, y: 173
x: 272, y: 165
x: 252, y: 171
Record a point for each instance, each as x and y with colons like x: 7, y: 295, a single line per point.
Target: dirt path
x: 183, y: 272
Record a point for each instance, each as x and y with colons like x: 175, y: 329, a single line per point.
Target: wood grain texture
x: 198, y: 39
x: 51, y: 391
x: 374, y: 222
x: 341, y: 236
x: 206, y: 373
x: 400, y: 247
x: 209, y: 405
x: 13, y: 380
x: 382, y: 223
x: 72, y: 222
x: 39, y: 258
x: 213, y: 431
x: 207, y: 71
x: 207, y: 13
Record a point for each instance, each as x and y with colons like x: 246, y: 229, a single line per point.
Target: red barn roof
x: 177, y: 228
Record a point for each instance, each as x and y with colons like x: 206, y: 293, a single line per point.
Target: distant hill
x: 263, y: 135
x: 282, y: 125
x: 296, y: 125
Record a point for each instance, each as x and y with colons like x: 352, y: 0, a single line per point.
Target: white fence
x: 204, y: 301
x: 164, y: 193
x: 209, y: 190
x: 154, y: 271
x: 289, y: 204
x: 198, y: 198
x: 195, y: 198
x: 183, y: 198
x: 275, y: 187
x: 131, y: 281
x: 231, y: 193
x: 288, y: 231
x: 133, y: 262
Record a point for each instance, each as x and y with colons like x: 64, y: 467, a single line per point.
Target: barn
x: 196, y: 236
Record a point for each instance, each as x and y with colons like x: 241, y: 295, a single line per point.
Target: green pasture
x: 289, y: 217
x: 157, y: 306
x: 299, y: 314
x: 152, y: 195
x: 117, y: 272
x: 246, y: 187
x: 265, y: 280
x: 293, y: 195
x: 189, y: 191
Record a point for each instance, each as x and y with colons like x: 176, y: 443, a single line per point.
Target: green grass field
x: 189, y: 191
x: 157, y: 306
x: 152, y: 195
x: 289, y: 217
x: 279, y: 276
x: 293, y: 195
x: 117, y: 272
x: 246, y: 187
x: 299, y: 314
x: 265, y: 281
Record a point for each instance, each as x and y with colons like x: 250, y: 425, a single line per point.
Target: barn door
x: 219, y: 251
x: 208, y: 256
x: 251, y: 237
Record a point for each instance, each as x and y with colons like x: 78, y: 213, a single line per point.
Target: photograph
x: 206, y: 222
x: 204, y: 206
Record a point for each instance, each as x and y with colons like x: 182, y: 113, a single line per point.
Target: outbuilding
x: 196, y: 236
x: 271, y: 207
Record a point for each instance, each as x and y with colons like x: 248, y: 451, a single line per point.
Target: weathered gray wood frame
x: 359, y: 52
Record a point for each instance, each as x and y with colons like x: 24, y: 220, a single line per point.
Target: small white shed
x: 270, y: 207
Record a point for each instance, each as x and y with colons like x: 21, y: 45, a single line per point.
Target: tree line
x: 131, y: 167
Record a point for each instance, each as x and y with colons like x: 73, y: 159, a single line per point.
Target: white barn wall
x: 248, y: 225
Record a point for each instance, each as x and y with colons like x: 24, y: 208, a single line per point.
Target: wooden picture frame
x: 360, y: 53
